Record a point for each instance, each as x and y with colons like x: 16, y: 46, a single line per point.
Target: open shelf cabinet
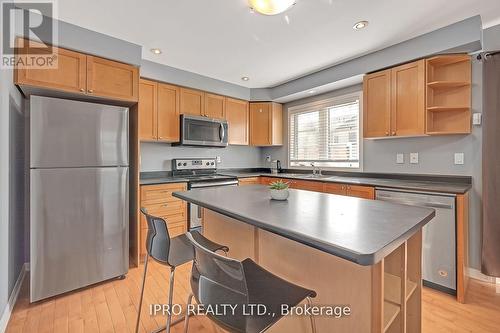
x: 401, y: 283
x: 448, y: 94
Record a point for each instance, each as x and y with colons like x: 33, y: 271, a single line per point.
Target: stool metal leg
x: 311, y: 317
x: 142, y: 292
x: 186, y: 319
x: 170, y: 296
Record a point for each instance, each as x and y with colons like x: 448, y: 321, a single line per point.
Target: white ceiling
x: 223, y: 40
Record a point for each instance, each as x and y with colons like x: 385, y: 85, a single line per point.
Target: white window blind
x: 326, y: 134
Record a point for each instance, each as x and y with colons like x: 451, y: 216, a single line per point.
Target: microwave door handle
x: 221, y: 132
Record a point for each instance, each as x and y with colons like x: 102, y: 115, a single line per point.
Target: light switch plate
x: 476, y: 119
x: 413, y: 158
x: 400, y: 158
x: 459, y: 158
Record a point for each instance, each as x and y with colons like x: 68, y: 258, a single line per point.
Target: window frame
x: 311, y: 106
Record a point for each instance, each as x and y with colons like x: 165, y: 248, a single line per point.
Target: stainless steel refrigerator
x: 78, y: 194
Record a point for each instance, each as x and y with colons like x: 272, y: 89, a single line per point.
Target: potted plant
x: 279, y: 190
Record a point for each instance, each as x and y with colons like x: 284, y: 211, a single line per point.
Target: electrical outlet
x: 400, y: 158
x: 476, y: 119
x: 459, y: 158
x: 413, y: 158
x: 218, y: 158
x: 268, y: 158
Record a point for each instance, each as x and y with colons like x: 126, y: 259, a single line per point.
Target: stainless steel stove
x: 201, y: 173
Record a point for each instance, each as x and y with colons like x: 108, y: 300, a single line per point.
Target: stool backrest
x: 218, y: 280
x: 158, y: 238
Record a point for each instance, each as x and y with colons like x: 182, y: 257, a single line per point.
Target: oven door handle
x: 213, y: 184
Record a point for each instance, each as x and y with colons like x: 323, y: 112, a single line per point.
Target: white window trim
x: 323, y: 103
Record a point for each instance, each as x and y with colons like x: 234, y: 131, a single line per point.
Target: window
x: 326, y: 133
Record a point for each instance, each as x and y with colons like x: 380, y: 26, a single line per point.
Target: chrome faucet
x: 316, y: 170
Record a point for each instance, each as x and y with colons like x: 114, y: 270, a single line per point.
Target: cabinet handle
x: 393, y: 133
x: 160, y: 137
x: 82, y: 90
x: 386, y: 133
x: 90, y: 91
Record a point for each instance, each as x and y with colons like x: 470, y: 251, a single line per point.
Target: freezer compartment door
x: 79, y: 228
x: 67, y: 133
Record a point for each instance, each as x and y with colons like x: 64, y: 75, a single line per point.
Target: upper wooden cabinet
x: 158, y: 111
x: 148, y: 110
x: 266, y: 124
x: 237, y: 118
x: 192, y: 102
x: 168, y: 112
x: 112, y: 79
x: 215, y: 106
x: 84, y: 74
x: 394, y: 101
x: 70, y: 74
x: 377, y: 104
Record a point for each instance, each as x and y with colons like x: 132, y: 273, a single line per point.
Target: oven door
x: 195, y: 211
x: 203, y: 131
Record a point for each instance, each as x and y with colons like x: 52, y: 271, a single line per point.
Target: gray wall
x: 435, y: 156
x: 158, y: 156
x: 12, y: 185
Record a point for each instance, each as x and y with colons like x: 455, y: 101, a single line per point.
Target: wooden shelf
x: 392, y: 290
x: 391, y: 311
x: 447, y: 108
x: 443, y: 60
x: 447, y: 84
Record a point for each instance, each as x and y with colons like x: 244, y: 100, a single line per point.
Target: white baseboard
x: 13, y: 298
x: 477, y: 275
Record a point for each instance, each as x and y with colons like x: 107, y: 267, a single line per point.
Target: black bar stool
x: 218, y: 280
x: 170, y: 252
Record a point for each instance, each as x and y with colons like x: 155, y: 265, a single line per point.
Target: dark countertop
x: 439, y: 184
x: 359, y: 230
x: 426, y: 183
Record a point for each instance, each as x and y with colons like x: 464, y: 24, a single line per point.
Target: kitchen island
x: 353, y: 252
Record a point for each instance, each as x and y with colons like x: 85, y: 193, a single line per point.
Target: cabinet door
x: 191, y: 102
x: 237, y: 118
x: 249, y: 181
x: 260, y: 124
x: 377, y: 104
x: 307, y: 185
x: 335, y: 188
x: 215, y: 106
x: 408, y: 99
x: 276, y: 124
x: 112, y: 79
x: 70, y: 74
x: 365, y: 192
x: 168, y: 112
x: 147, y: 110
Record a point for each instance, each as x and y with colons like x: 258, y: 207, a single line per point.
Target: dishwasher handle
x: 416, y: 203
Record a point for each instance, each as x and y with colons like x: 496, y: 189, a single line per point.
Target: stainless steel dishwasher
x: 439, y: 260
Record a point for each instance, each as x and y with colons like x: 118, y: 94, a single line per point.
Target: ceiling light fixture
x: 156, y: 51
x: 360, y: 25
x: 311, y: 91
x: 245, y: 78
x: 270, y: 7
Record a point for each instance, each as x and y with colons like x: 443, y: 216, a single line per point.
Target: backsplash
x: 158, y: 156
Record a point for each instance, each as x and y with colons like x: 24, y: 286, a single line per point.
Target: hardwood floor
x: 111, y: 307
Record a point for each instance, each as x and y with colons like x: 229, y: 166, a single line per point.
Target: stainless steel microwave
x: 202, y: 131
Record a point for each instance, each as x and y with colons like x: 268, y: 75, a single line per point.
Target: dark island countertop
x: 358, y: 230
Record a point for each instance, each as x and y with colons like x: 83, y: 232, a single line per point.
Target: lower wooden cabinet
x: 249, y: 181
x: 158, y: 201
x: 358, y: 191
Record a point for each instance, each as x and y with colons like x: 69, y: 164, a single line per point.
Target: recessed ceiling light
x: 156, y: 51
x: 270, y: 7
x: 245, y: 78
x: 311, y: 91
x: 360, y: 25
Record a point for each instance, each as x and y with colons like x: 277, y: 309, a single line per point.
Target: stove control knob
x: 184, y: 164
x: 179, y: 164
x: 208, y: 163
x: 213, y: 163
